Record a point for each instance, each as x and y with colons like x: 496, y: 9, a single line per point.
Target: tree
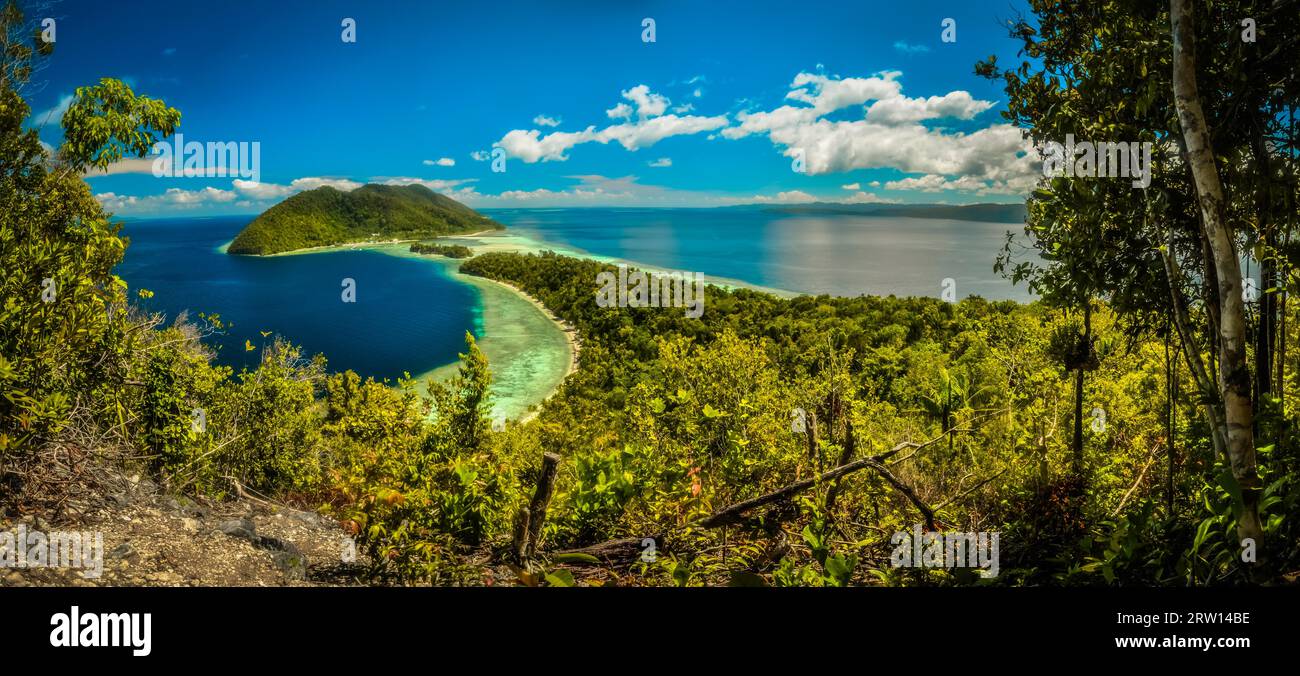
x: 1111, y: 71
x: 1234, y: 374
x: 63, y: 321
x: 463, y: 405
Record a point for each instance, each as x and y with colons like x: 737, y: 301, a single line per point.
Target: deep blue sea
x: 408, y: 315
x: 411, y: 315
x: 844, y: 255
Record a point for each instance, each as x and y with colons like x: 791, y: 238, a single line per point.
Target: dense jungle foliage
x: 448, y: 250
x: 1094, y: 430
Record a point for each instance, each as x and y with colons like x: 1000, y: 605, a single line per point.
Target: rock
x: 185, y: 506
x: 292, y: 562
x: 190, y: 525
x: 239, y: 528
x: 308, y: 518
x: 123, y: 551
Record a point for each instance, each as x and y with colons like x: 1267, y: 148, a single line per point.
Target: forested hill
x: 326, y: 216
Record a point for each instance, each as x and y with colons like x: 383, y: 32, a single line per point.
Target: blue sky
x: 713, y: 112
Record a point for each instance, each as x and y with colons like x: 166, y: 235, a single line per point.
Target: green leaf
x: 559, y: 578
x: 575, y: 557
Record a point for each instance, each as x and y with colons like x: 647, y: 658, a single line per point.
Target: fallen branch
x: 968, y: 491
x: 621, y: 551
x: 1141, y: 475
x: 736, y: 513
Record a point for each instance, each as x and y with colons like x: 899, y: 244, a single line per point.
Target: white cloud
x: 902, y: 110
x: 114, y: 202
x: 620, y: 111
x: 53, y: 116
x: 530, y: 146
x: 890, y: 134
x: 596, y: 190
x: 785, y: 197
x: 209, y: 194
x: 907, y: 48
x: 649, y: 132
x: 933, y: 183
x: 544, y: 121
x: 480, y: 156
x: 650, y: 127
x: 648, y: 103
x: 436, y: 185
x: 866, y: 198
x: 662, y: 162
x: 173, y: 198
x: 268, y: 191
x: 851, y: 186
x: 441, y: 162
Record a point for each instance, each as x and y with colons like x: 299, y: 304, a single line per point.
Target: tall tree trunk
x: 1234, y: 373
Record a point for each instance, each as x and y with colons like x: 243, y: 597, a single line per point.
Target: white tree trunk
x: 1234, y: 373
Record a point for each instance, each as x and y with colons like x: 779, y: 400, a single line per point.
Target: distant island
x: 448, y: 250
x: 983, y: 213
x: 327, y: 216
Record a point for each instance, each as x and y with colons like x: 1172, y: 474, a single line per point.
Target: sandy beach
x: 570, y: 334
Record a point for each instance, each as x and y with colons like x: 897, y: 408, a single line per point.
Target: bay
x: 409, y: 315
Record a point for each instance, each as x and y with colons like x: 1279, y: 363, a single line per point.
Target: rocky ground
x: 157, y: 540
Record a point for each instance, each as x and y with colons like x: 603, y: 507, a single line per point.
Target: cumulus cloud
x: 662, y: 162
x: 440, y: 162
x: 648, y: 103
x: 650, y: 127
x: 266, y: 191
x: 436, y: 185
x: 620, y: 111
x: 785, y: 197
x: 933, y: 183
x: 867, y: 198
x: 544, y: 121
x: 889, y: 133
x: 173, y: 198
x: 901, y: 110
x: 851, y: 186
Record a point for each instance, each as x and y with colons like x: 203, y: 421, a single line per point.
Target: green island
x: 372, y: 213
x: 448, y: 250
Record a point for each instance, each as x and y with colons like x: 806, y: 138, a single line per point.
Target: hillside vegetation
x: 373, y: 212
x: 1135, y: 426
